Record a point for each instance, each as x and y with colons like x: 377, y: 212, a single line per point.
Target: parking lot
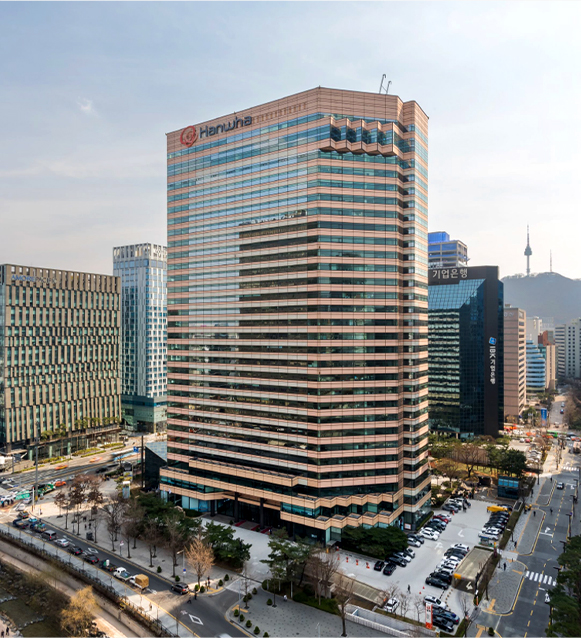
x: 464, y: 528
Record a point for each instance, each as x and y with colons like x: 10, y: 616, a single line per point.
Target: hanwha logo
x: 189, y: 136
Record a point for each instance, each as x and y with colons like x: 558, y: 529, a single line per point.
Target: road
x: 204, y: 616
x: 530, y: 616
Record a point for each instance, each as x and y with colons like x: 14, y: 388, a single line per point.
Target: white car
x: 446, y: 570
x: 414, y: 542
x: 391, y: 605
x: 435, y: 601
x: 62, y: 542
x: 90, y: 550
x: 463, y: 547
x: 451, y: 561
x: 430, y: 535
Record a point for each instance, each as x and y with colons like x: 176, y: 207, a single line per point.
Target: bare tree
x: 200, y: 556
x: 153, y: 537
x: 322, y: 567
x: 135, y: 514
x: 60, y: 500
x: 343, y: 594
x: 174, y: 538
x: 113, y: 511
x: 419, y: 605
x: 467, y: 607
x: 391, y: 591
x: 405, y: 600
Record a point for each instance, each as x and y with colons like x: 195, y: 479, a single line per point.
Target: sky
x: 89, y: 90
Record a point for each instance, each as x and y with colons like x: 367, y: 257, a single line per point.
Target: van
x: 49, y: 535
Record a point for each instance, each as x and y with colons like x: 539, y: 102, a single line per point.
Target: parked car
x: 389, y: 568
x: 460, y: 546
x: 403, y: 556
x: 447, y: 578
x: 443, y: 624
x: 416, y: 537
x: 378, y: 566
x: 443, y: 517
x: 414, y: 542
x: 391, y: 605
x: 448, y: 615
x: 436, y: 582
x: 398, y: 560
x: 435, y: 601
x: 409, y: 552
x: 430, y: 534
x: 450, y: 508
x: 180, y: 588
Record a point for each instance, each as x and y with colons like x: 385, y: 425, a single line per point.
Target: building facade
x: 515, y: 362
x: 534, y: 328
x: 536, y: 369
x: 568, y: 342
x: 549, y: 351
x: 59, y: 359
x: 142, y: 269
x: 297, y: 313
x: 444, y: 252
x: 466, y: 346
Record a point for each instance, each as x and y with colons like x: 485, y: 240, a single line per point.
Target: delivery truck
x: 141, y: 581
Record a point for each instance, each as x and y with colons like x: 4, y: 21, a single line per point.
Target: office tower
x: 515, y: 362
x: 536, y: 369
x: 534, y: 328
x: 59, y: 359
x: 466, y: 351
x: 444, y: 252
x: 568, y: 341
x: 143, y: 269
x: 297, y: 310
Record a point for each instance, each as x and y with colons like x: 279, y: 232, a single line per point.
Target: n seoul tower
x: 528, y: 253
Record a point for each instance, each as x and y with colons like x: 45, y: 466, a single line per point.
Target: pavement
x: 294, y: 619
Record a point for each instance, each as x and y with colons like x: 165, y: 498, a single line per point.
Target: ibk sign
x: 429, y: 619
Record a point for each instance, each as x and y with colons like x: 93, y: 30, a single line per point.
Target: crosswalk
x: 541, y: 579
x: 570, y: 468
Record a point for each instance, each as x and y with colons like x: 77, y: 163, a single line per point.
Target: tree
x: 566, y: 596
x: 131, y: 524
x: 419, y: 605
x: 60, y: 501
x: 343, y: 594
x: 153, y: 537
x: 113, y: 512
x: 293, y: 555
x: 405, y: 601
x: 375, y: 541
x: 200, y: 556
x: 77, y: 494
x: 77, y: 617
x: 471, y: 454
x: 227, y: 549
x: 321, y: 568
x: 513, y: 463
x: 174, y: 536
x: 467, y: 607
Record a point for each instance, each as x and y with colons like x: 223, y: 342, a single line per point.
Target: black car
x: 378, y: 566
x: 76, y: 551
x: 398, y: 561
x: 421, y: 539
x: 443, y: 624
x: 91, y: 558
x: 180, y: 588
x: 447, y: 578
x: 436, y: 582
x: 447, y: 615
x: 436, y: 525
x: 389, y: 568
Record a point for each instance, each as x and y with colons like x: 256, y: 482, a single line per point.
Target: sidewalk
x: 504, y: 586
x: 294, y: 619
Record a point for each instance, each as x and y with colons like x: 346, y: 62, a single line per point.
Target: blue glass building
x: 465, y: 351
x: 536, y: 369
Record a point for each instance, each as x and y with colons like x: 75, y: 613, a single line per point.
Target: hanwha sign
x: 189, y: 136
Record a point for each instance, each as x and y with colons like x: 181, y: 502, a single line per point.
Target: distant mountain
x: 545, y: 294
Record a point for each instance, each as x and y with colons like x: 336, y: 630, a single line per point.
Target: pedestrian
x: 515, y: 544
x: 3, y: 633
x: 551, y: 510
x: 150, y: 607
x: 40, y: 511
x: 285, y: 598
x: 195, y: 595
x: 7, y: 630
x: 504, y: 566
x: 534, y: 512
x: 409, y: 589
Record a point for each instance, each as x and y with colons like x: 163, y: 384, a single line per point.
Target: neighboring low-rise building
x: 59, y: 359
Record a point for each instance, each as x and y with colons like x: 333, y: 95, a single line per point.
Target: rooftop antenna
x: 381, y: 87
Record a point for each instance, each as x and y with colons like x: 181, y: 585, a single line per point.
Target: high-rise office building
x: 143, y: 270
x: 297, y: 312
x: 568, y: 342
x: 59, y: 359
x: 515, y: 361
x: 534, y: 328
x: 536, y: 369
x: 466, y: 346
x: 444, y: 252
